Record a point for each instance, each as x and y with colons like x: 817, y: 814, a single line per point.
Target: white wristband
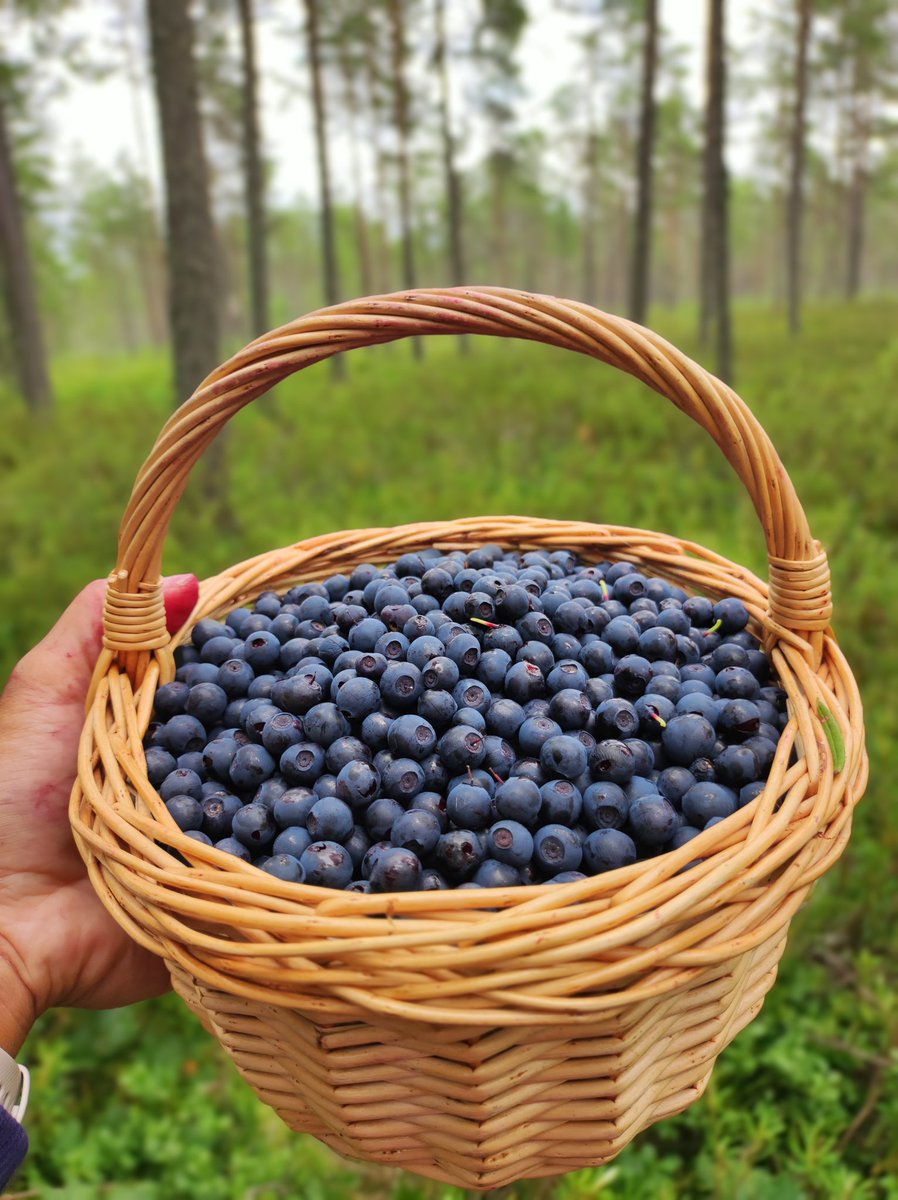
x: 15, y: 1084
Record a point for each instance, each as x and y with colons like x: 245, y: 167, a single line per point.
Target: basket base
x: 484, y: 1107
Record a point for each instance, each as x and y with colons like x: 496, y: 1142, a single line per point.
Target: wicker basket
x: 475, y: 1036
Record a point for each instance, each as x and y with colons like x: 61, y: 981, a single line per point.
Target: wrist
x: 18, y: 1010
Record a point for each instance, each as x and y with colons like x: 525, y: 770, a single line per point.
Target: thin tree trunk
x: 362, y: 240
x: 254, y: 174
x: 193, y: 262
x: 589, y: 272
x: 795, y: 202
x: 328, y: 238
x: 642, y: 233
x: 147, y: 258
x: 401, y: 119
x: 715, y: 233
x: 381, y: 258
x: 451, y: 177
x: 26, y: 334
x: 857, y: 189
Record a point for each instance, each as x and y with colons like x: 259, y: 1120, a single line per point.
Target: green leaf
x: 833, y: 736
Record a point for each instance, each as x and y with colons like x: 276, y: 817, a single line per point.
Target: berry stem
x: 717, y: 624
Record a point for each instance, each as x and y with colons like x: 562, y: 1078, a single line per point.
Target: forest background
x: 177, y: 177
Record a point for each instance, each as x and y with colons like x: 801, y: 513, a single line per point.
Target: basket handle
x: 799, y: 582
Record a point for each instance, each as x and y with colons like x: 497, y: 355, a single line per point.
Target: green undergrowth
x: 140, y: 1104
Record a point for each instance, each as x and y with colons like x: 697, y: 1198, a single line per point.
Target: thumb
x: 65, y: 658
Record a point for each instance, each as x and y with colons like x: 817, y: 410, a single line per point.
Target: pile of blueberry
x: 486, y: 719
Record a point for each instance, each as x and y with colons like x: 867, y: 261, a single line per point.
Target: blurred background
x: 177, y: 177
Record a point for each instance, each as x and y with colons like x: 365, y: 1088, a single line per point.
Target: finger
x: 180, y: 592
x: 64, y: 660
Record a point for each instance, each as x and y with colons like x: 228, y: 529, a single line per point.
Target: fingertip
x: 181, y: 593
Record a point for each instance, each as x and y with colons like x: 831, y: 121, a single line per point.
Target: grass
x: 140, y: 1104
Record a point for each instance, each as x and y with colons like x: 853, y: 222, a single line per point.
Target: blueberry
x: 329, y: 819
x: 440, y: 674
x: 185, y: 811
x: 358, y: 783
x: 654, y: 712
x: 499, y: 756
x: 230, y: 845
x: 418, y: 830
x: 571, y: 708
x: 326, y: 864
x: 324, y: 723
x: 470, y: 717
x: 402, y: 779
x: 254, y: 717
x: 524, y: 681
x: 652, y: 821
x: 510, y: 842
x: 284, y: 866
x: 218, y: 814
x: 181, y: 781
x: 434, y: 803
x: 612, y: 760
x: 556, y: 848
x: 396, y: 869
x: 519, y: 799
x: 437, y: 708
x: 375, y: 728
x: 534, y: 732
x: 605, y: 806
x: 250, y: 766
x: 469, y: 807
x: 560, y: 802
x: 608, y: 849
x: 401, y: 685
x: 292, y: 840
x: 358, y: 698
x: 686, y: 738
x: 458, y: 854
x: 254, y: 826
x: 410, y: 736
x: 324, y: 786
x: 302, y: 764
x: 495, y: 874
x: 705, y: 800
x: 737, y: 766
x: 674, y: 783
x: 170, y: 700
x: 293, y: 806
x: 432, y: 881
x: 159, y: 763
x: 182, y: 733
x: 280, y: 732
x: 616, y: 718
x: 461, y: 747
x: 504, y: 718
x: 345, y: 750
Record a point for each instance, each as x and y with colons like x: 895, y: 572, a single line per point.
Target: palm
x: 50, y: 915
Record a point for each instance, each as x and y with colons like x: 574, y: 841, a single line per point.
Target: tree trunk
x: 795, y: 202
x: 26, y: 335
x: 859, y: 142
x: 715, y: 232
x: 193, y: 262
x: 328, y: 238
x: 360, y: 221
x: 254, y: 174
x: 642, y: 233
x: 401, y: 119
x: 451, y: 177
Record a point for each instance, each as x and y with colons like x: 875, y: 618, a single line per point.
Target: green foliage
x: 140, y: 1104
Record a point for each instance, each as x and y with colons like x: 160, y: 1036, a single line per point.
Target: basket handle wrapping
x: 799, y: 582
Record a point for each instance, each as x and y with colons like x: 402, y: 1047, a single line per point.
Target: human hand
x: 58, y: 945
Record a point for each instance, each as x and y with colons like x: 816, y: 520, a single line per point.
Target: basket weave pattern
x: 477, y: 1036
